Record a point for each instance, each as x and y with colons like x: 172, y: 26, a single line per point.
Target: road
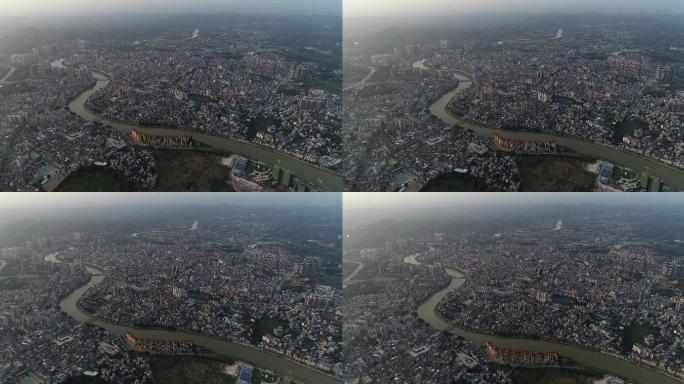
x: 363, y: 81
x: 357, y: 270
x: 8, y: 75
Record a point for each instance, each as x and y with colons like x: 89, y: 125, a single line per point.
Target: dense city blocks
x: 112, y: 101
x: 239, y: 289
x: 551, y: 98
x: 464, y: 288
x: 514, y: 102
x: 341, y: 191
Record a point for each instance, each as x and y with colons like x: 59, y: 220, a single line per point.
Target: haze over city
x: 360, y: 8
x: 70, y: 7
x: 259, y: 250
x: 21, y: 206
x: 384, y: 200
x: 457, y: 286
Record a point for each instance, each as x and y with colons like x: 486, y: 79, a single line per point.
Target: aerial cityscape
x: 538, y: 99
x: 466, y: 288
x: 446, y: 96
x: 430, y: 192
x: 217, y: 289
x: 171, y: 102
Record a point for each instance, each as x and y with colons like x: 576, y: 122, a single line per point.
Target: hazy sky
x: 354, y: 8
x: 368, y: 201
x: 38, y: 201
x: 57, y: 7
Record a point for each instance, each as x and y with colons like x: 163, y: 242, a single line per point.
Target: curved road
x: 363, y: 81
x: 358, y: 269
x: 591, y: 359
x: 234, y: 350
x: 672, y: 176
x: 8, y: 75
x: 317, y: 177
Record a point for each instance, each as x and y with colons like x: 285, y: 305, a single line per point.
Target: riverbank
x: 578, y: 346
x: 314, y: 175
x: 595, y: 359
x: 671, y: 175
x: 232, y: 349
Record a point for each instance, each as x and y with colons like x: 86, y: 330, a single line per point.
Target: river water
x: 317, y: 177
x: 590, y: 359
x: 670, y: 175
x: 234, y: 350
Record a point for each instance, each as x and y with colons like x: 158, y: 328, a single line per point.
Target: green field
x: 191, y: 171
x: 551, y: 376
x: 623, y: 173
x: 4, y: 70
x: 549, y: 173
x: 263, y: 376
x: 376, y: 90
x: 334, y: 87
x: 294, y: 286
x: 95, y: 179
x: 12, y: 267
x: 628, y: 126
x: 82, y: 379
x: 635, y: 334
x: 253, y: 166
x: 381, y: 75
x: 348, y: 268
x: 21, y: 73
x: 353, y: 74
x: 10, y: 89
x: 260, y: 124
x: 454, y: 182
x: 179, y: 171
x: 664, y: 290
x: 333, y: 281
x: 178, y: 370
x: 13, y: 283
x: 369, y: 271
x: 266, y: 325
x: 289, y: 90
x: 655, y: 91
x: 362, y: 288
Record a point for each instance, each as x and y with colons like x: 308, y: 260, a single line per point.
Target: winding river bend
x: 587, y: 358
x: 671, y: 175
x: 315, y: 176
x: 237, y: 351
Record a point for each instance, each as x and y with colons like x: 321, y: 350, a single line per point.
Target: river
x: 233, y: 350
x: 590, y: 359
x: 671, y: 175
x: 317, y: 177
